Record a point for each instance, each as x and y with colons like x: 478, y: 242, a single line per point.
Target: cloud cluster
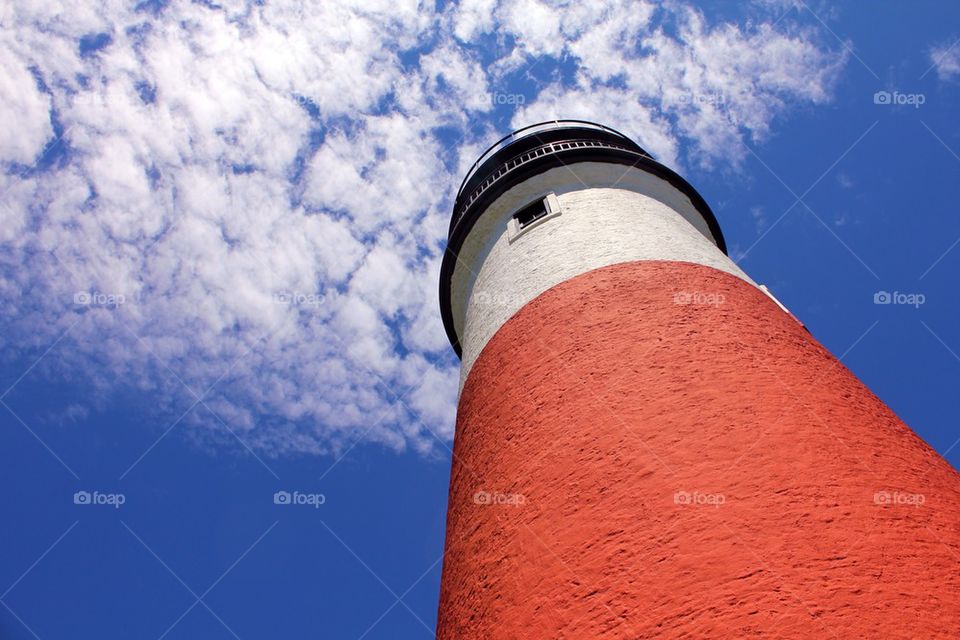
x: 238, y: 209
x: 946, y: 60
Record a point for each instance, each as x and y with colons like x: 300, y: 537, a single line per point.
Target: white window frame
x: 550, y: 202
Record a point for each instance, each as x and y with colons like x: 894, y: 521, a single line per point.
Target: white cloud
x: 759, y: 218
x: 946, y: 59
x: 535, y: 24
x: 472, y: 18
x: 268, y: 187
x: 708, y: 85
x: 24, y: 105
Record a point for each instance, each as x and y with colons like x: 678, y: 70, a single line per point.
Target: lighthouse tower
x: 648, y: 444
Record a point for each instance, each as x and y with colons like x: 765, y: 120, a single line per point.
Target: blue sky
x: 221, y: 234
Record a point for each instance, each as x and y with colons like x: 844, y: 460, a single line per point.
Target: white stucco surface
x: 609, y: 214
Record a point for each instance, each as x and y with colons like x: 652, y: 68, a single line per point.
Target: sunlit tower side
x: 648, y: 444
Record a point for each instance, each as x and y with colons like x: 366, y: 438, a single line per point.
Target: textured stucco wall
x: 610, y: 214
x: 633, y: 464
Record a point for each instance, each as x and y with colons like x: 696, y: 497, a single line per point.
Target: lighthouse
x: 648, y: 444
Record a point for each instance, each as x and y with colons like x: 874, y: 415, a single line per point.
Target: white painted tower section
x: 608, y: 214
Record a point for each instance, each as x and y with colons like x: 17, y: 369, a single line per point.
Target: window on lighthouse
x: 531, y: 213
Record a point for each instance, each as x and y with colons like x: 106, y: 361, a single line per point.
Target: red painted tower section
x: 654, y: 448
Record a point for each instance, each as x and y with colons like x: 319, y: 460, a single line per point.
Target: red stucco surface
x: 634, y: 463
